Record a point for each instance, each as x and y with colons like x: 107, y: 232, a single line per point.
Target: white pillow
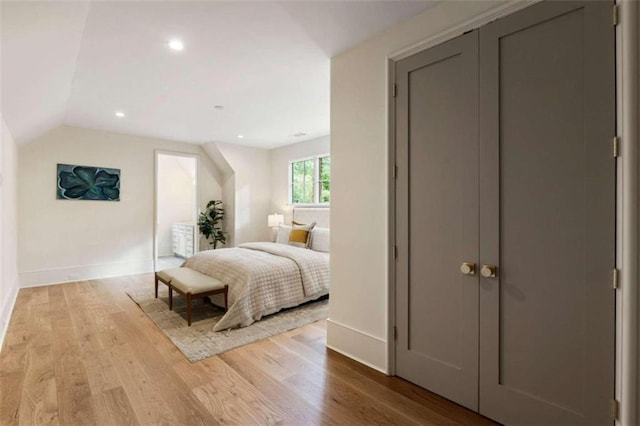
x: 320, y: 239
x: 283, y: 234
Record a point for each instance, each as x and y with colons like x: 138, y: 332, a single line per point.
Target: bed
x: 265, y: 277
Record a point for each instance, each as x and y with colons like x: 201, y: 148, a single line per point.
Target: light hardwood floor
x: 84, y: 353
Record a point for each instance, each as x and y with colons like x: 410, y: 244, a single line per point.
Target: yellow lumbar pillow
x: 300, y: 233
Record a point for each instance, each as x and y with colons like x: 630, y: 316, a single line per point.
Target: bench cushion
x: 164, y: 275
x: 190, y: 281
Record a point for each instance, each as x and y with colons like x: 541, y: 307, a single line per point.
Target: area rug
x: 199, y: 341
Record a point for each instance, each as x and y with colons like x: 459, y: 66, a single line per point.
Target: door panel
x: 437, y: 205
x: 547, y: 197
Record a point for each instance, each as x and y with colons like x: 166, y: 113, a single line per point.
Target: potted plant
x: 209, y: 223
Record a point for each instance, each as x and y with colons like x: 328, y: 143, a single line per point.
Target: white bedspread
x: 264, y: 278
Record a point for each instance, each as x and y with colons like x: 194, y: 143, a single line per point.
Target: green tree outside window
x: 310, y: 181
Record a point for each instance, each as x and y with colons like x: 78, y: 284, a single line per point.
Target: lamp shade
x: 274, y: 220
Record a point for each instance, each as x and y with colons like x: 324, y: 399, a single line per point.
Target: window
x: 324, y: 180
x: 310, y: 181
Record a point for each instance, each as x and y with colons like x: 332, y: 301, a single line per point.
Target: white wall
x: 228, y: 203
x: 280, y: 158
x: 359, y: 195
x: 8, y: 234
x: 176, y: 197
x: 246, y: 190
x: 61, y: 240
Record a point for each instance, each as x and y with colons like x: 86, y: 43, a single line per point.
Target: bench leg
x: 189, y: 309
x: 170, y: 298
x: 156, y: 275
x: 226, y: 290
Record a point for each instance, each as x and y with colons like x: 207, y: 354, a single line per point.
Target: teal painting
x: 88, y: 183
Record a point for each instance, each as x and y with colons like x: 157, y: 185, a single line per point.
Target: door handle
x: 468, y: 268
x: 488, y: 271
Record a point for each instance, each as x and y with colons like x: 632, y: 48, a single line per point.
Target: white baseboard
x: 357, y: 345
x: 5, y: 314
x: 87, y: 272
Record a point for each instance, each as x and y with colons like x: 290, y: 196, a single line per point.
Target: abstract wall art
x: 87, y: 183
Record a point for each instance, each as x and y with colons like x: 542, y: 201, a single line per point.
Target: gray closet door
x: 547, y: 215
x: 437, y: 219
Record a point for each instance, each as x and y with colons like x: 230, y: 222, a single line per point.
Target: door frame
x: 627, y: 192
x: 157, y: 153
x: 628, y: 199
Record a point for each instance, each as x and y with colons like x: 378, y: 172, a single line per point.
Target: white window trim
x: 316, y: 182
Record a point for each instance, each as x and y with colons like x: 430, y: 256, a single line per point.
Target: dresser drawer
x: 184, y: 237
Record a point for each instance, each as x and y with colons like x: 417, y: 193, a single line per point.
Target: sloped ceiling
x: 267, y: 63
x: 40, y: 45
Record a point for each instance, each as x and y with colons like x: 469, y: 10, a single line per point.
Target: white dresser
x: 184, y: 239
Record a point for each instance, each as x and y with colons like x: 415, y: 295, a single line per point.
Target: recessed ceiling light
x: 176, y: 45
x: 219, y: 107
x: 240, y: 136
x: 119, y: 114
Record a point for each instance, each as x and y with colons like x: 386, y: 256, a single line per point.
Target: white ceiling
x: 267, y: 63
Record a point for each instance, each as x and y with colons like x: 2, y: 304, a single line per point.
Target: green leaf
x: 86, y: 174
x: 111, y: 193
x: 106, y: 179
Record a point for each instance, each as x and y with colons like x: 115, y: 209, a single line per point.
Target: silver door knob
x: 488, y: 271
x: 468, y: 268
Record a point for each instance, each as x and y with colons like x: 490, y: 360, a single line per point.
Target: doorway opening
x: 176, y: 209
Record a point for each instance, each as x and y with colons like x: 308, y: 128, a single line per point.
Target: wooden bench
x: 191, y: 284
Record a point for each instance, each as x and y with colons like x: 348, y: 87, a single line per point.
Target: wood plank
x: 100, y: 371
x: 297, y: 410
x: 10, y: 397
x: 113, y: 408
x: 39, y: 295
x: 268, y: 361
x: 13, y: 358
x: 23, y: 299
x: 193, y: 374
x: 75, y: 405
x: 231, y: 399
x: 39, y: 394
x: 73, y: 391
x: 343, y: 405
x: 41, y: 324
x: 148, y: 405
